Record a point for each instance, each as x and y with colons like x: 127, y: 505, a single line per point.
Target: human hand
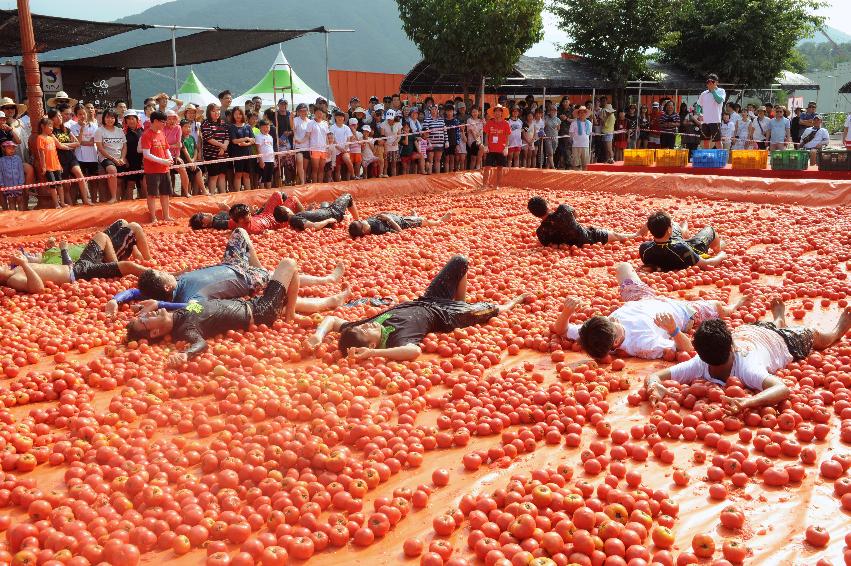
x: 177, y: 359
x: 18, y: 258
x: 734, y: 405
x: 111, y: 307
x: 63, y: 245
x: 572, y: 304
x: 312, y: 342
x: 360, y: 353
x: 656, y: 392
x: 666, y: 322
x: 146, y: 306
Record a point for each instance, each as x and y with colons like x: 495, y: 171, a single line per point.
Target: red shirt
x: 496, y: 135
x: 265, y: 219
x: 155, y: 142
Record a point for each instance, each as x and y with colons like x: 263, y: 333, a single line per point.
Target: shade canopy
x: 276, y: 83
x: 193, y: 49
x: 794, y: 81
x: 846, y: 88
x: 193, y: 90
x: 55, y: 33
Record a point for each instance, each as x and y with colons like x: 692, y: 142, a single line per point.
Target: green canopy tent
x: 193, y: 90
x: 281, y: 81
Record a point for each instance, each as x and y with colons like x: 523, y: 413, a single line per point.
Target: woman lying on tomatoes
x: 752, y: 352
x: 396, y: 333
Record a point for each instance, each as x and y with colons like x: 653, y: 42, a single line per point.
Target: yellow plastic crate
x: 671, y: 157
x: 641, y: 157
x: 749, y: 158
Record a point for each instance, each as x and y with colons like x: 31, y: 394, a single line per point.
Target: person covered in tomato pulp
x: 671, y: 249
x: 752, y: 353
x: 396, y: 334
x: 559, y: 226
x: 196, y: 321
x: 386, y: 222
x: 240, y: 216
x: 648, y: 325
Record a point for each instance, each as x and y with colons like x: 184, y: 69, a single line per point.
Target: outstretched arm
x: 706, y: 263
x: 329, y: 324
x: 389, y: 219
x: 681, y: 341
x: 773, y: 391
x: 30, y: 282
x: 406, y: 353
x: 655, y: 390
x: 571, y: 304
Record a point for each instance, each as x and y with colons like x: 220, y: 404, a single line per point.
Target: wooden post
x: 32, y: 75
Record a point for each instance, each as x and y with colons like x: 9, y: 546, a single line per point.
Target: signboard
x: 51, y: 80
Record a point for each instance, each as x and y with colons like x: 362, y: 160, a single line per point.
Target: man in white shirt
x: 760, y: 129
x: 580, y: 135
x: 752, y: 352
x: 846, y: 133
x: 710, y: 103
x: 815, y: 138
x: 648, y: 325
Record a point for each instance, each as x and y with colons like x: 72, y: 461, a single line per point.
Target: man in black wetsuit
x: 317, y: 218
x: 390, y: 222
x: 559, y: 226
x: 396, y: 333
x: 672, y: 249
x: 196, y: 321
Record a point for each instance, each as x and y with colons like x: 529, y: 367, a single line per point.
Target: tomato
x: 412, y: 547
x: 443, y: 525
x: 663, y: 537
x: 703, y: 545
x: 817, y: 536
x: 301, y: 548
x: 274, y: 556
x: 440, y: 477
x: 734, y: 551
x: 732, y: 517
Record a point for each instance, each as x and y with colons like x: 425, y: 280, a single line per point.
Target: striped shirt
x: 437, y: 133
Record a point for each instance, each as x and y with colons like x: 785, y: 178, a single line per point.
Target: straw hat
x: 609, y: 109
x: 360, y: 109
x: 60, y: 97
x: 199, y: 114
x: 497, y: 107
x: 6, y: 101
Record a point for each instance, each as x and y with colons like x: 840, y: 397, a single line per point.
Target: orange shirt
x: 47, y: 146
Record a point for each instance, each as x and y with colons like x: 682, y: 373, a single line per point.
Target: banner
x: 51, y: 80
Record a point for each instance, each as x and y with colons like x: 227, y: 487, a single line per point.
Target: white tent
x: 276, y: 84
x: 194, y: 91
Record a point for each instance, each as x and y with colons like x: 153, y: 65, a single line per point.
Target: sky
x: 837, y: 12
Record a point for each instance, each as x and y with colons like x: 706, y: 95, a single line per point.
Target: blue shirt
x: 778, y: 129
x: 11, y: 171
x: 214, y: 282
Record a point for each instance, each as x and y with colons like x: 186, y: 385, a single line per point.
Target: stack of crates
x: 671, y: 157
x: 834, y: 160
x: 709, y: 158
x: 790, y: 159
x: 640, y: 157
x: 749, y: 158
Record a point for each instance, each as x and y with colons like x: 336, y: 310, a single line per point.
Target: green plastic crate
x: 790, y: 159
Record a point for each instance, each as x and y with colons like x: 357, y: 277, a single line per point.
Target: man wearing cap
x: 815, y: 138
x: 496, y: 134
x: 580, y: 136
x: 391, y: 130
x: 710, y: 104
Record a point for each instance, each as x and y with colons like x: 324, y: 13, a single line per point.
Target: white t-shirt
x: 392, y: 133
x: 711, y: 108
x: 515, y: 138
x: 355, y: 146
x: 300, y: 137
x: 317, y: 135
x: 366, y: 149
x: 341, y: 136
x: 265, y: 147
x: 113, y: 141
x: 580, y: 133
x: 761, y: 128
x: 821, y: 138
x: 848, y: 127
x: 642, y: 338
x: 734, y: 117
x: 757, y: 353
x: 85, y: 153
x: 538, y: 126
x: 728, y: 130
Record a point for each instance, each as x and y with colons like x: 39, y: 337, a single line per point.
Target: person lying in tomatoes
x: 104, y: 257
x: 396, y: 334
x: 240, y: 216
x: 239, y: 274
x: 672, y: 250
x: 647, y: 326
x: 752, y: 352
x: 195, y: 321
x: 318, y: 217
x: 559, y: 226
x: 390, y: 222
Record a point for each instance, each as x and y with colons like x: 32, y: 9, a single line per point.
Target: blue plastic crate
x: 710, y: 158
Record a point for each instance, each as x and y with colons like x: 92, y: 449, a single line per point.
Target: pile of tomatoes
x: 258, y: 453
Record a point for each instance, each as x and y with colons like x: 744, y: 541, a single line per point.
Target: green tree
x: 472, y: 38
x: 744, y: 42
x: 615, y: 35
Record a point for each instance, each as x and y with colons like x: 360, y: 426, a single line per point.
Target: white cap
x: 131, y: 113
x: 170, y: 113
x: 2, y: 114
x: 390, y: 115
x: 378, y: 107
x: 366, y: 128
x: 353, y: 121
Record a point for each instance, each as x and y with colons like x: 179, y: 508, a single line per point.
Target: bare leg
x: 727, y: 310
x: 287, y: 275
x: 319, y: 225
x: 439, y: 221
x: 310, y: 305
x: 130, y: 268
x: 164, y: 206
x: 152, y: 209
x: 778, y: 311
x: 316, y: 280
x: 461, y: 289
x: 626, y: 272
x: 822, y: 340
x: 513, y: 303
x: 141, y: 240
x: 102, y: 240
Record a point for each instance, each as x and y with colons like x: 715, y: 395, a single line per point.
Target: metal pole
x: 327, y: 71
x: 483, y: 98
x: 32, y: 74
x: 638, y: 117
x: 174, y: 61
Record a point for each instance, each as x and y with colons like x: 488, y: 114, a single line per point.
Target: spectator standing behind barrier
x: 760, y: 129
x: 728, y: 130
x: 580, y: 135
x: 779, y: 128
x: 710, y: 103
x: 669, y: 124
x: 156, y: 162
x: 551, y: 126
x: 846, y: 132
x: 795, y: 126
x: 215, y: 138
x: 815, y: 139
x: 607, y: 120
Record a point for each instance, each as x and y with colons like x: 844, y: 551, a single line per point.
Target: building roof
x: 56, y: 33
x: 793, y: 81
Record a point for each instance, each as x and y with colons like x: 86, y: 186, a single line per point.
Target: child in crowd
x: 12, y: 175
x: 391, y: 129
x: 173, y: 135
x: 355, y: 152
x: 342, y: 136
x: 515, y: 139
x: 331, y: 154
x: 48, y: 160
x: 369, y: 160
x: 423, y: 147
x: 728, y: 131
x: 189, y: 154
x: 265, y: 154
x: 406, y: 147
x: 317, y: 140
x: 379, y: 148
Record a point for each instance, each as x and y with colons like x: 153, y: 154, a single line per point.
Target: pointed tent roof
x: 193, y: 90
x: 270, y: 87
